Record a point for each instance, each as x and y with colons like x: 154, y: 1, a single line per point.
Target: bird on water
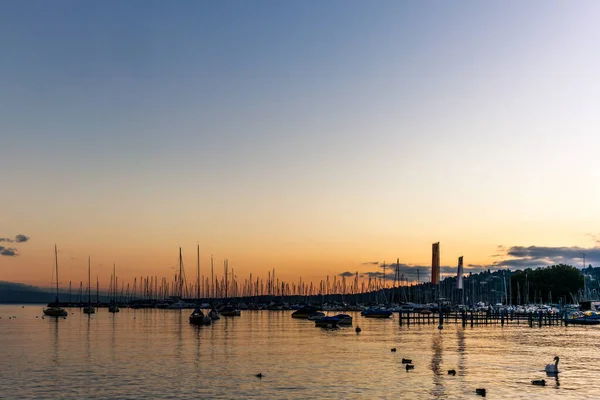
x: 358, y: 329
x: 481, y: 392
x: 451, y: 372
x: 409, y: 367
x: 553, y: 368
x: 540, y: 382
x: 259, y: 375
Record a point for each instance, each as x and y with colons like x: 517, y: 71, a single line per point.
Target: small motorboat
x: 55, y: 311
x: 376, y: 313
x: 316, y: 316
x: 345, y: 319
x: 89, y: 310
x: 230, y: 311
x: 198, y: 318
x: 327, y: 322
x: 583, y: 318
x: 304, y: 312
x: 214, y: 314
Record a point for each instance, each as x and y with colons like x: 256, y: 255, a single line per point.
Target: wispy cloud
x: 11, y: 251
x: 20, y: 238
x: 8, y: 251
x: 422, y: 272
x: 347, y: 274
x: 371, y: 263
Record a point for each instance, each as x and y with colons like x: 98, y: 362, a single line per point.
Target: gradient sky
x: 310, y: 137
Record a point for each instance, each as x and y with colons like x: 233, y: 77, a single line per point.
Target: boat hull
x: 582, y: 321
x: 236, y: 313
x: 200, y: 320
x: 327, y: 322
x: 380, y: 316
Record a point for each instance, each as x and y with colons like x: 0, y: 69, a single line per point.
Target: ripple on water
x: 159, y: 355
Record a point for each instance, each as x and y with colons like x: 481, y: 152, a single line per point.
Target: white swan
x: 553, y: 368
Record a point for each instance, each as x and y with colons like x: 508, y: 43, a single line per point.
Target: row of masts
x: 229, y: 285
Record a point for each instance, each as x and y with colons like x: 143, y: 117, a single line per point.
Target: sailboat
x: 113, y: 307
x: 180, y: 304
x: 197, y: 317
x: 53, y: 309
x: 89, y: 309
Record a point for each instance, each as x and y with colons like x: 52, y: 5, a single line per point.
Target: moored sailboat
x: 197, y: 317
x: 89, y: 309
x: 54, y: 309
x: 113, y: 307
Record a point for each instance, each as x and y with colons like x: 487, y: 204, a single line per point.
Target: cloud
x: 346, y: 274
x: 20, y: 238
x: 371, y: 263
x: 8, y: 251
x: 540, y: 256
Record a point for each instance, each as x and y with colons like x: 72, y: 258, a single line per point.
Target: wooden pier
x: 473, y: 318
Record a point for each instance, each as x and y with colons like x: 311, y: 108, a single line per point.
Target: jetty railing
x: 473, y: 318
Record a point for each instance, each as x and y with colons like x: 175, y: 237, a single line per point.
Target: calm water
x: 156, y: 354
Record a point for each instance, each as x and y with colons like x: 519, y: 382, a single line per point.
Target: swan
x: 553, y: 368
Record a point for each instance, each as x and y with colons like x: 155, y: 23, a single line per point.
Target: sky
x: 314, y: 138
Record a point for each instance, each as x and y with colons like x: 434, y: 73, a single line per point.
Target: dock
x: 476, y: 318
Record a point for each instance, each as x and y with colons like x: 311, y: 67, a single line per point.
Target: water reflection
x: 437, y: 346
x: 461, y: 349
x: 88, y: 350
x: 152, y: 358
x: 55, y: 342
x: 113, y: 339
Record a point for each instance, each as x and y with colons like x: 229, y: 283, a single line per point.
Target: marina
x: 156, y: 353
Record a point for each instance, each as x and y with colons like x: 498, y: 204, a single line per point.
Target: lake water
x: 157, y: 354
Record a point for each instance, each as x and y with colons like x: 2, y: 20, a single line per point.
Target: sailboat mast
x: 56, y: 264
x: 198, y: 277
x: 180, y: 277
x: 89, y: 283
x: 114, y: 286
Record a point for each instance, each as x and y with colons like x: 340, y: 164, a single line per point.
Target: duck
x: 409, y: 367
x: 406, y: 361
x: 539, y: 382
x: 553, y: 368
x: 451, y: 372
x: 393, y: 349
x: 481, y: 391
x: 358, y: 329
x: 259, y: 375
